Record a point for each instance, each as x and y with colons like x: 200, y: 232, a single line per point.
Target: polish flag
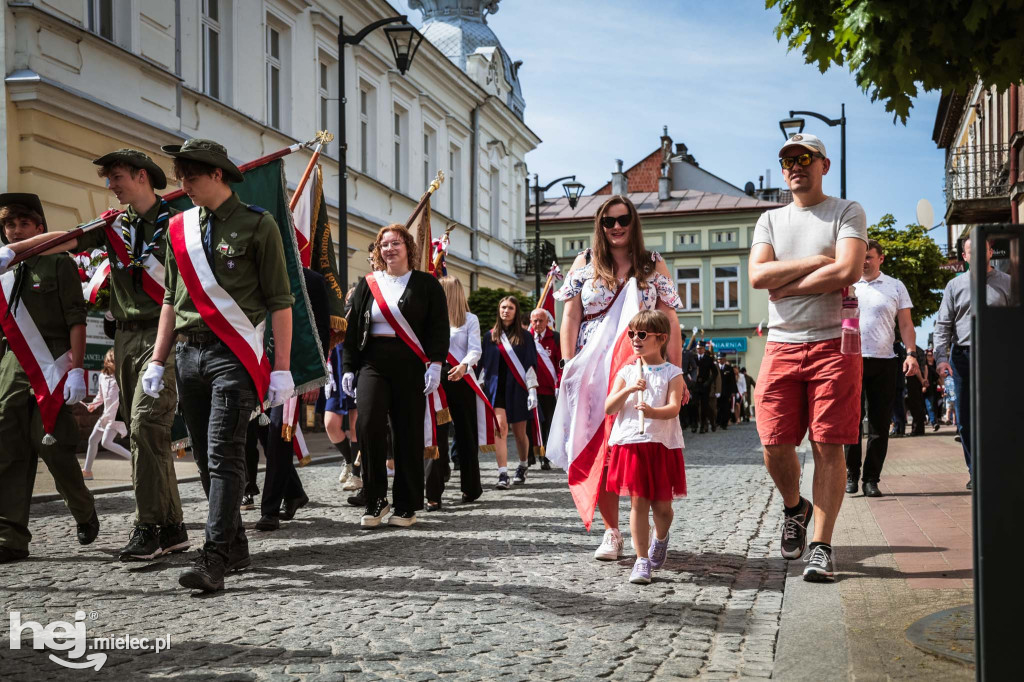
x: 578, y: 441
x: 759, y: 326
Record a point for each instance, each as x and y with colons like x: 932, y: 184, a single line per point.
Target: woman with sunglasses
x: 596, y: 278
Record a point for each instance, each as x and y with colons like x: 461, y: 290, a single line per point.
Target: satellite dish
x: 749, y: 189
x: 925, y: 214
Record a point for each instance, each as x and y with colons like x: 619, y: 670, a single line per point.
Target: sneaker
x: 403, y: 519
x: 520, y: 477
x: 658, y: 551
x: 641, y: 574
x: 502, y: 483
x: 247, y: 502
x: 173, y: 538
x: 611, y: 546
x: 143, y: 544
x: 820, y: 568
x: 375, y: 513
x: 88, y: 531
x: 238, y: 558
x: 206, y: 573
x: 353, y: 483
x: 794, y: 531
x: 346, y: 473
x: 86, y: 474
x: 545, y: 464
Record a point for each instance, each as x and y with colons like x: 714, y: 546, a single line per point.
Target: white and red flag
x: 304, y: 215
x: 578, y: 441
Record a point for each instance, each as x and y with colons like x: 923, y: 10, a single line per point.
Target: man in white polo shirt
x: 884, y: 303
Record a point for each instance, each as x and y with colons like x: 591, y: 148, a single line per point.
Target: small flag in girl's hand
x: 759, y: 325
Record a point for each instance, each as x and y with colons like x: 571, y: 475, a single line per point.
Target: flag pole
x: 323, y: 137
x: 108, y: 217
x: 435, y: 184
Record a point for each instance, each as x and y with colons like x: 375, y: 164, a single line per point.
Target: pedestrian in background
x: 549, y: 373
x: 707, y: 381
x: 952, y: 339
x: 726, y: 394
x: 748, y: 403
x: 884, y: 305
x: 108, y: 427
x: 931, y: 390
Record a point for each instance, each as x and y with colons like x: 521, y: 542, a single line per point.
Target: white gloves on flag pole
x: 432, y: 378
x: 74, y: 386
x: 531, y: 399
x: 153, y: 380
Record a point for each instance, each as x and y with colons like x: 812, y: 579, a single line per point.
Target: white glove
x: 74, y: 386
x: 153, y: 380
x: 331, y: 387
x: 281, y: 388
x: 531, y: 400
x: 432, y: 379
x: 718, y: 395
x: 348, y: 384
x: 6, y: 256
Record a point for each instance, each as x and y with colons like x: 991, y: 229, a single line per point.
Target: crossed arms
x: 811, y: 275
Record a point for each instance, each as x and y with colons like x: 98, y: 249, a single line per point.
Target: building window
x: 725, y: 237
x: 211, y: 47
x: 688, y: 239
x: 727, y: 287
x: 429, y: 155
x: 454, y: 182
x: 367, y: 129
x: 401, y: 129
x: 575, y: 245
x: 273, y: 77
x: 688, y: 284
x: 101, y: 18
x: 494, y: 187
x: 327, y: 80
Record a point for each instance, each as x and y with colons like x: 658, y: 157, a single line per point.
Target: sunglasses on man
x: 641, y: 335
x: 608, y: 222
x: 788, y: 162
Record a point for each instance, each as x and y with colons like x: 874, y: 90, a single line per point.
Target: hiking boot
x: 173, y: 538
x: 794, y: 530
x: 375, y: 513
x: 206, y: 573
x: 611, y: 546
x: 502, y: 483
x: 143, y: 544
x: 658, y: 551
x: 520, y: 477
x: 641, y: 574
x: 820, y: 566
x: 88, y: 531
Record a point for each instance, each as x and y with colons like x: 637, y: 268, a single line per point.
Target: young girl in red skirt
x: 646, y: 440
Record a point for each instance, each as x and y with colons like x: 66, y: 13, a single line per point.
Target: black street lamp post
x: 573, y: 190
x: 797, y: 125
x: 404, y: 40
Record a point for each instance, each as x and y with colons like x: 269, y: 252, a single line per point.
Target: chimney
x: 619, y: 184
x: 663, y: 189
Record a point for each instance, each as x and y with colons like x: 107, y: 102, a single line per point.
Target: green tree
x: 893, y: 47
x: 484, y: 304
x: 914, y: 258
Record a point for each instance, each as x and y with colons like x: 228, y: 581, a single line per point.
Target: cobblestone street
x: 502, y: 588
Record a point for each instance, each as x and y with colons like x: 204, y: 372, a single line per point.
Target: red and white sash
x: 437, y: 402
x: 45, y: 373
x: 545, y: 366
x: 153, y: 272
x: 519, y: 374
x: 219, y: 310
x: 91, y: 288
x: 486, y: 421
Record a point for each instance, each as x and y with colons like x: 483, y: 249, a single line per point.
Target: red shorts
x: 808, y: 385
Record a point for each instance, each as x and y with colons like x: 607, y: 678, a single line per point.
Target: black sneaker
x: 531, y: 459
x: 268, y: 522
x: 819, y: 565
x: 545, y: 464
x: 794, y: 531
x: 247, y: 502
x: 375, y: 513
x: 402, y: 519
x: 503, y: 483
x: 206, y: 573
x: 520, y: 477
x: 293, y: 505
x: 358, y: 500
x: 9, y: 554
x: 238, y: 558
x: 851, y: 483
x: 88, y: 531
x: 143, y: 544
x: 173, y: 538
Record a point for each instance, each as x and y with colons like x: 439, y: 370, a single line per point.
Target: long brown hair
x: 641, y: 266
x: 377, y: 260
x: 513, y: 332
x: 457, y: 305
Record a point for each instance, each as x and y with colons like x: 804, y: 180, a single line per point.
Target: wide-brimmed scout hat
x: 809, y: 142
x: 25, y: 199
x: 208, y: 152
x: 135, y: 159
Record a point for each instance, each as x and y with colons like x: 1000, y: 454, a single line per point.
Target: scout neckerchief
x: 485, y: 418
x: 139, y: 260
x: 437, y: 402
x: 46, y: 374
x: 515, y: 368
x: 219, y: 310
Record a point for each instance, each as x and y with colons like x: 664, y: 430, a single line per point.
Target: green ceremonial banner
x: 265, y: 186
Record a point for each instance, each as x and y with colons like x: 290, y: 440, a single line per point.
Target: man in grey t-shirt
x: 805, y: 254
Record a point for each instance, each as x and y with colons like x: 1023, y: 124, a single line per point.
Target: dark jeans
x: 255, y: 435
x: 217, y: 398
x: 282, y: 481
x: 391, y: 389
x: 462, y: 406
x: 915, y: 403
x: 960, y: 361
x: 878, y: 391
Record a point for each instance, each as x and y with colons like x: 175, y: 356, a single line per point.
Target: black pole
x: 842, y: 152
x: 342, y: 163
x: 536, y: 234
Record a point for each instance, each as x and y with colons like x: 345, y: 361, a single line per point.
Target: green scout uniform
x: 137, y: 316
x: 52, y: 294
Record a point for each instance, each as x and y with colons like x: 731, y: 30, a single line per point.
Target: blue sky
x: 601, y: 78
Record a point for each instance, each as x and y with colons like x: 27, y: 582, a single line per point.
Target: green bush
x: 484, y: 304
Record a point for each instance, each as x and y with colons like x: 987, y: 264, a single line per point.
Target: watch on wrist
x: 561, y: 364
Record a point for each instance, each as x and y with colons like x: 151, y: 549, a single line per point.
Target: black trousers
x: 702, y: 413
x: 915, y: 403
x: 391, y: 387
x: 547, y: 411
x: 878, y: 392
x: 462, y: 406
x: 254, y: 435
x: 724, y: 410
x: 282, y: 480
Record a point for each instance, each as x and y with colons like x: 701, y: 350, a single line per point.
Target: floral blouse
x: 595, y: 296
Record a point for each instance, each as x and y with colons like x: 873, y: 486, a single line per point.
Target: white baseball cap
x: 807, y: 141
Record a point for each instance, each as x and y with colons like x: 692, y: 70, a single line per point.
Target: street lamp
x: 573, y: 191
x: 797, y: 126
x: 404, y: 40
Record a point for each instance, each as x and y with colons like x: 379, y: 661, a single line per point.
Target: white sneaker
x: 611, y: 546
x: 346, y: 473
x: 353, y: 483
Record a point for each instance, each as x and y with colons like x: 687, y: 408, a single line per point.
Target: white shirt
x: 392, y: 288
x: 464, y: 343
x: 880, y: 300
x: 626, y: 429
x: 741, y: 384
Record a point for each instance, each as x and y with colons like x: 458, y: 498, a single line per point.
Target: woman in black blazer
x: 394, y: 380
